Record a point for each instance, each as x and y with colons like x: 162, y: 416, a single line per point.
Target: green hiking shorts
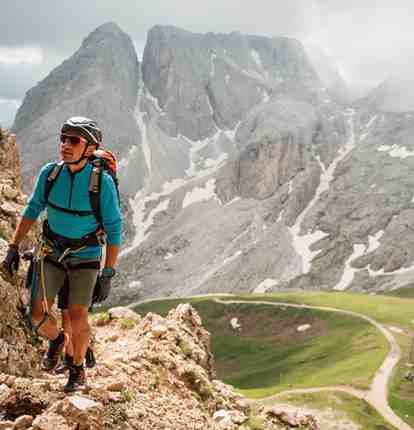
x: 82, y: 281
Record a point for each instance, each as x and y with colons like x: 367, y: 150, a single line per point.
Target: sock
x: 68, y: 359
x: 76, y: 367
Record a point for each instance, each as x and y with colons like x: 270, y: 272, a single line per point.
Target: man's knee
x: 78, y: 314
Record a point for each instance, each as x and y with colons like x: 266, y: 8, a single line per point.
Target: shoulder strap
x: 95, y: 189
x: 51, y: 178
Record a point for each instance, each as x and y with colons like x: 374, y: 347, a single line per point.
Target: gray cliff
x: 99, y: 81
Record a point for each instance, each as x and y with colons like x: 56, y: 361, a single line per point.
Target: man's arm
x: 23, y: 227
x: 111, y: 255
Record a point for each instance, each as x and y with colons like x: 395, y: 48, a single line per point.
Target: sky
x: 368, y: 40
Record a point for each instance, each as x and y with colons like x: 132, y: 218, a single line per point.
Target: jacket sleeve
x: 111, y: 212
x: 36, y: 202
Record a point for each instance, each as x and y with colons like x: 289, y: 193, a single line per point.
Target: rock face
x: 99, y: 81
x: 206, y: 81
x: 14, y: 338
x: 152, y: 373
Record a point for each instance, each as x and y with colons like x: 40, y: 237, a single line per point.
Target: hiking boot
x: 66, y: 363
x: 90, y: 359
x: 51, y: 358
x: 77, y: 379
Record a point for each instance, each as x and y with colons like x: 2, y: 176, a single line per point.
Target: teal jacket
x: 70, y: 191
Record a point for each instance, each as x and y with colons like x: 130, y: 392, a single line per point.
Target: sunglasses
x: 73, y: 140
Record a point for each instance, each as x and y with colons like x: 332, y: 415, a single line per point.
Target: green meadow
x: 270, y: 355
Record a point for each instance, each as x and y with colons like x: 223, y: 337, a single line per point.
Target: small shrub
x: 156, y: 382
x: 103, y: 319
x: 255, y: 423
x: 128, y: 323
x: 185, y: 347
x: 127, y: 395
x: 198, y: 384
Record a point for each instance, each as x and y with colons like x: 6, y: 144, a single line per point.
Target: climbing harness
x: 48, y: 244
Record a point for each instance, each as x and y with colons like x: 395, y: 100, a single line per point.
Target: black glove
x: 102, y: 288
x: 12, y: 259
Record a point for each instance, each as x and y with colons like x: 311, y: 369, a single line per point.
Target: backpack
x: 101, y: 160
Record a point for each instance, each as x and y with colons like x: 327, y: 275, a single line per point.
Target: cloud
x: 22, y: 55
x: 368, y: 39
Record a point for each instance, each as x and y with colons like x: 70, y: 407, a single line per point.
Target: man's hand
x: 11, y: 262
x: 102, y: 286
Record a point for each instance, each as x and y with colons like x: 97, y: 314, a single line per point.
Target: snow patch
x: 235, y: 325
x: 155, y: 102
x: 199, y: 194
x: 213, y: 56
x: 349, y: 272
x: 371, y: 121
x: 138, y: 204
x: 303, y: 243
x: 290, y: 186
x: 231, y: 134
x: 396, y: 151
x: 139, y: 118
x: 214, y: 163
x: 237, y: 198
x: 303, y: 327
x: 135, y: 284
x: 256, y: 57
x: 196, y: 146
x: 374, y: 273
x: 233, y: 257
x: 373, y: 241
x: 265, y: 285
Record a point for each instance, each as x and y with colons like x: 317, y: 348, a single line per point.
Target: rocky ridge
x: 14, y: 338
x: 152, y: 373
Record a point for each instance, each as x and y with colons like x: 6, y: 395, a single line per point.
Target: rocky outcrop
x: 14, y: 337
x: 274, y: 143
x: 152, y: 373
x: 99, y: 81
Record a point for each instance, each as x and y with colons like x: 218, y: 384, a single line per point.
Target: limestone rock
x: 123, y: 312
x: 100, y: 81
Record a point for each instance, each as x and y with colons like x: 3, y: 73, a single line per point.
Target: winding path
x: 377, y: 394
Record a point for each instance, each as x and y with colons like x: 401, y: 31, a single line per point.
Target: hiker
x: 73, y: 236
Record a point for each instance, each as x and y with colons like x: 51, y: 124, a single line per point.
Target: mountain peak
x: 104, y: 31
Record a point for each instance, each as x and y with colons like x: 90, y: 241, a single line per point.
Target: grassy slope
x: 391, y: 311
x: 270, y: 356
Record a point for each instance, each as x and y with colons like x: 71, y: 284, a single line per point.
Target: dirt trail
x: 377, y: 394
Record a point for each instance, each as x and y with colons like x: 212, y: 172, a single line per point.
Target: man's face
x: 72, y: 145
